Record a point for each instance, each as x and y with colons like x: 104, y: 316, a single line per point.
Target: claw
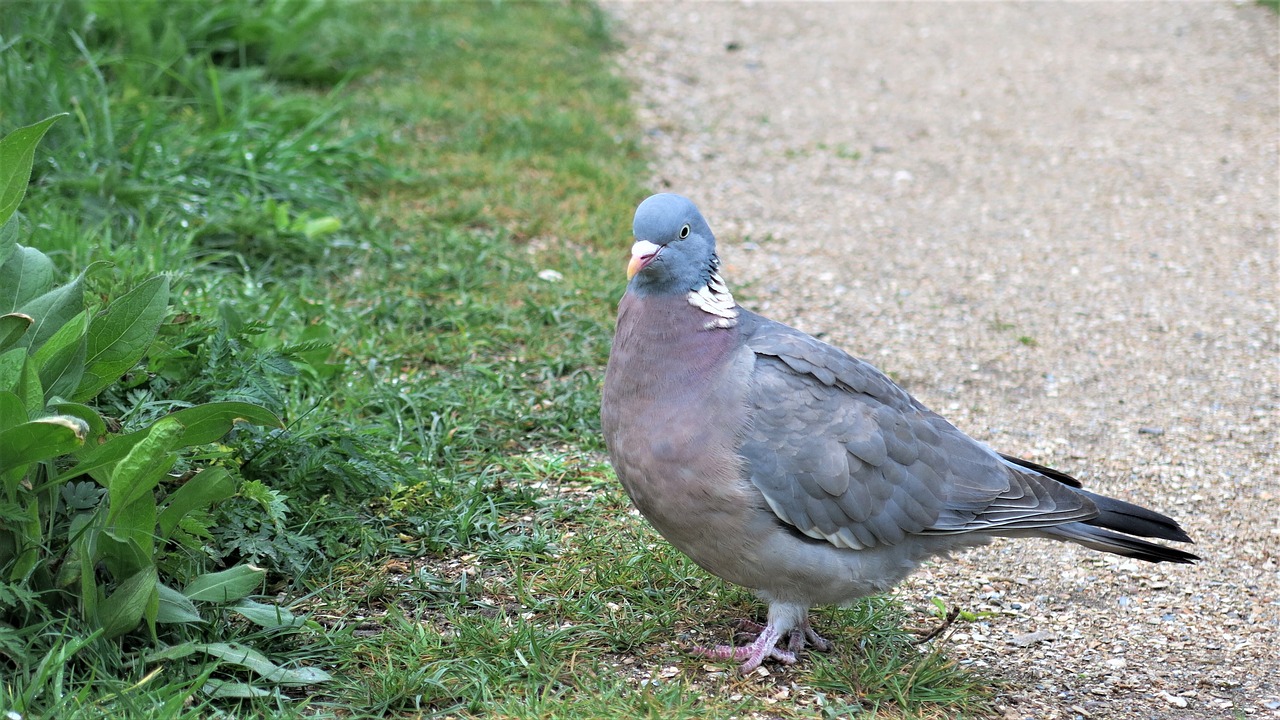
x: 818, y: 642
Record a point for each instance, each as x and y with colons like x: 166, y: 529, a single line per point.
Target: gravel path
x: 1057, y: 225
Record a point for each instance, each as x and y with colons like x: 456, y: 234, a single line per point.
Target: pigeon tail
x: 1134, y: 519
x: 1118, y: 515
x: 1097, y: 538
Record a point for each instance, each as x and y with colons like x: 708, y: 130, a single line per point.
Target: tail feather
x: 1114, y: 514
x: 1097, y: 538
x: 1134, y: 519
x: 1048, y: 472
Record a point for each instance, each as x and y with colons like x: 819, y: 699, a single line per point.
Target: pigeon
x: 787, y: 466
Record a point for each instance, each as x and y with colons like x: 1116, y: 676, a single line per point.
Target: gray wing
x: 843, y: 454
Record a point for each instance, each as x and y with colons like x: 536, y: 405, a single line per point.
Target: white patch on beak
x: 642, y: 253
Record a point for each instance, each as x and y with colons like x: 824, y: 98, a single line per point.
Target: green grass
x: 451, y: 522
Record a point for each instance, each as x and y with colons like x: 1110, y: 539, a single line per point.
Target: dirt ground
x: 1057, y: 225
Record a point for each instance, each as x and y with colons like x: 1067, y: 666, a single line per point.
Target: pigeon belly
x: 673, y: 411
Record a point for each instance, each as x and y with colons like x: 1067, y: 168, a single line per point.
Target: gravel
x: 1057, y: 225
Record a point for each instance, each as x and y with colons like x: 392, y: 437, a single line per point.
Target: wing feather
x: 843, y: 454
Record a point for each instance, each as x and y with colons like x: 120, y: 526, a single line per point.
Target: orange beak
x: 642, y: 253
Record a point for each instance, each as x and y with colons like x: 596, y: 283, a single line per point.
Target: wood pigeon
x: 787, y: 466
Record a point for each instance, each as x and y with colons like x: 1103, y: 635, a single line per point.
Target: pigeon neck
x: 714, y: 299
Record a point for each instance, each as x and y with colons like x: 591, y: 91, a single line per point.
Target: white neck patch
x: 715, y: 299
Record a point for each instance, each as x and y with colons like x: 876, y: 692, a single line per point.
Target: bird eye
x: 684, y: 232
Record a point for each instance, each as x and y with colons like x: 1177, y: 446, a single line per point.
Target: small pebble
x: 1032, y: 638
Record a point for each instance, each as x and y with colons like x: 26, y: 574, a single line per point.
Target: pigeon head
x: 674, y: 251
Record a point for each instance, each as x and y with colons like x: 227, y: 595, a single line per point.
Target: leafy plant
x: 84, y: 525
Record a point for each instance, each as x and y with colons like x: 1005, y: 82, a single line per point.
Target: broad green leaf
x: 12, y: 327
x: 52, y: 310
x: 231, y: 584
x: 131, y: 513
x: 122, y: 610
x: 138, y: 473
x: 17, y: 150
x: 215, y: 688
x: 128, y: 541
x: 267, y: 616
x: 40, y: 439
x: 244, y: 656
x: 29, y: 388
x: 120, y: 335
x: 209, y: 422
x: 174, y: 652
x: 25, y: 276
x: 60, y: 360
x: 176, y: 607
x: 8, y: 238
x: 11, y: 364
x: 65, y: 335
x: 85, y: 530
x: 68, y: 572
x: 12, y: 412
x: 300, y: 676
x: 152, y: 611
x: 200, y: 491
x: 247, y: 657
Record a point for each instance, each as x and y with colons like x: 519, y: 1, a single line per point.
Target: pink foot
x: 764, y: 645
x: 796, y: 638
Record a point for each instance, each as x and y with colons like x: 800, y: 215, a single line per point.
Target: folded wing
x: 843, y: 454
